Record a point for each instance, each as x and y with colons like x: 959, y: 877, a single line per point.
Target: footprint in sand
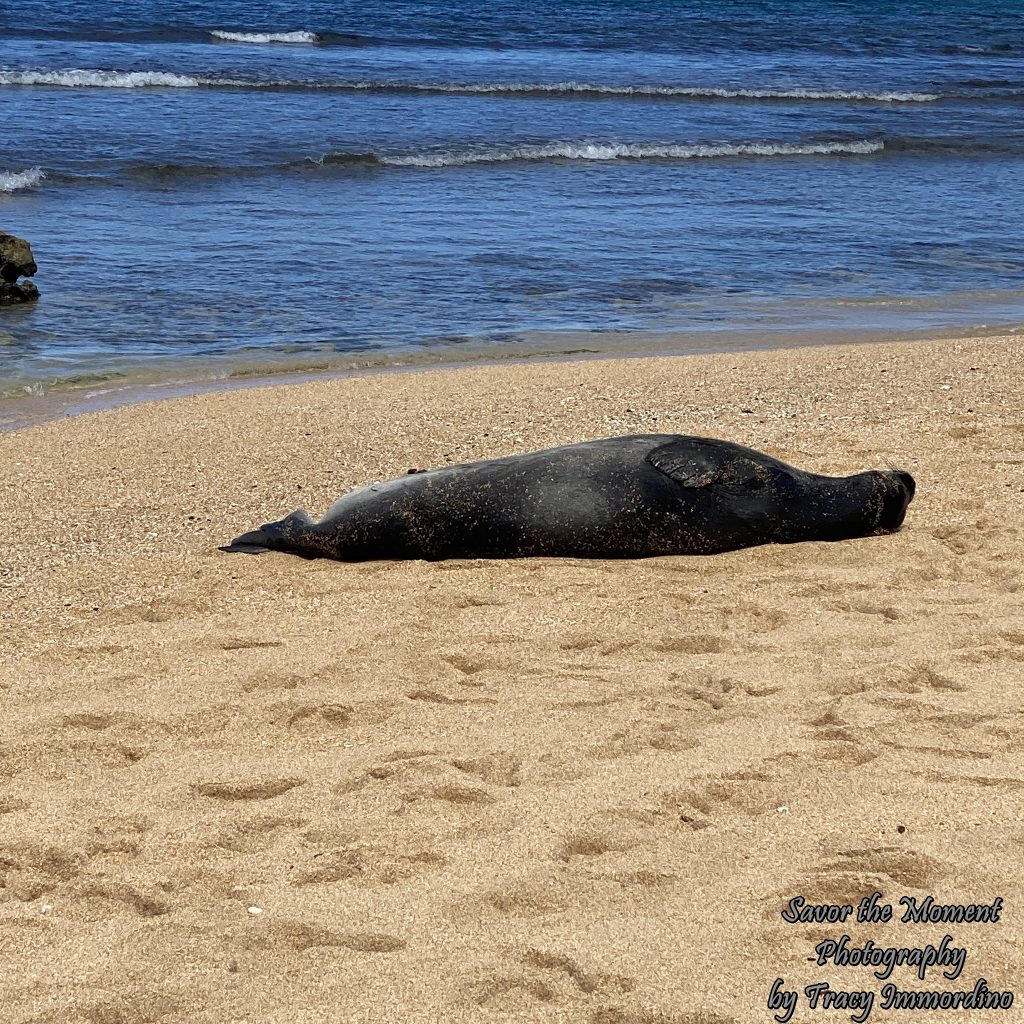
x: 694, y: 643
x: 456, y: 700
x: 838, y: 740
x: 714, y: 692
x: 117, y: 837
x: 747, y: 793
x: 646, y: 736
x: 249, y: 789
x: 58, y: 757
x: 100, y: 738
x: 587, y: 703
x: 29, y: 871
x: 885, y: 612
x: 465, y: 601
x: 273, y: 680
x: 847, y: 876
x: 322, y: 721
x: 547, y: 985
x: 747, y: 617
x: 1001, y: 645
x: 920, y: 678
x: 579, y: 643
x: 955, y: 538
x: 247, y: 644
x: 497, y: 769
x: 537, y: 976
x: 466, y: 665
x: 257, y: 833
x: 1010, y: 784
x: 93, y: 899
x: 135, y: 1008
x: 610, y: 832
x: 313, y: 717
x: 618, y: 1015
x: 368, y: 866
x: 421, y: 779
x: 301, y: 936
x: 81, y: 878
x: 93, y: 721
x: 579, y: 879
x: 906, y: 867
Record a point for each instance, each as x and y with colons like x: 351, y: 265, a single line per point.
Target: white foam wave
x: 688, y: 92
x: 13, y: 181
x: 81, y: 78
x: 624, y: 151
x: 76, y: 78
x: 824, y: 94
x: 266, y: 37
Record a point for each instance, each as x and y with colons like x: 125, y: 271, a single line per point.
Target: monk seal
x: 621, y: 497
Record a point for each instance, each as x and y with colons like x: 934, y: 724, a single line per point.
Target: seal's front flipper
x: 749, y: 486
x: 695, y: 462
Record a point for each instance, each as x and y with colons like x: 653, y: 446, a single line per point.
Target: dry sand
x: 270, y: 790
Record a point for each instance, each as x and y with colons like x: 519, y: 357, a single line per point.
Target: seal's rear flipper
x: 281, y: 536
x: 253, y: 543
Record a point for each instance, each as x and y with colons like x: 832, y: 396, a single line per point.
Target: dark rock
x: 16, y: 260
x: 12, y: 294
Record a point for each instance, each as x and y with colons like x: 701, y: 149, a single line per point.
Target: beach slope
x: 264, y: 789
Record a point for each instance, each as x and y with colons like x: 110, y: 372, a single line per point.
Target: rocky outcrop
x: 16, y: 260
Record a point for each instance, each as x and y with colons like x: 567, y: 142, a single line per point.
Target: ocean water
x: 215, y: 185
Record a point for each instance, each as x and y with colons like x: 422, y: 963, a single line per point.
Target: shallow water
x: 216, y: 185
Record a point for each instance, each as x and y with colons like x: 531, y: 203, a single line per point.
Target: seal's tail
x: 255, y: 542
x: 279, y: 536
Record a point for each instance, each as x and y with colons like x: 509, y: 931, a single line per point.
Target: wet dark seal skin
x: 621, y: 497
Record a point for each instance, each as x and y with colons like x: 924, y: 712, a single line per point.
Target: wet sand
x: 265, y: 789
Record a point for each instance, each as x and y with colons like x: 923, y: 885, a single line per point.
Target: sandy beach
x: 262, y: 789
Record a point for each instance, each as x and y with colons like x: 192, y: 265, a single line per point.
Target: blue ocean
x: 214, y: 188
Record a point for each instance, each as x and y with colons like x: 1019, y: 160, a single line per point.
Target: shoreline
x: 19, y: 412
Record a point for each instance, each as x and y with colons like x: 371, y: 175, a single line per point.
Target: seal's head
x: 897, y: 492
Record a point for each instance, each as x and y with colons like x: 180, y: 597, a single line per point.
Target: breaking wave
x: 977, y: 147
x: 266, y: 37
x: 538, y: 153
x: 634, y: 151
x: 93, y: 78
x: 82, y: 78
x: 642, y: 91
x: 13, y: 181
